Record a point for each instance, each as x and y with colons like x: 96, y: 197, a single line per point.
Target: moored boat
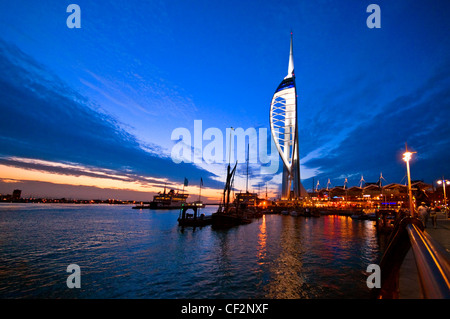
x: 359, y: 215
x: 191, y: 220
x: 169, y: 200
x: 227, y: 220
x: 371, y: 213
x: 230, y: 214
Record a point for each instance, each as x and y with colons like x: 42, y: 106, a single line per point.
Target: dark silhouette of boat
x: 193, y: 219
x: 229, y: 214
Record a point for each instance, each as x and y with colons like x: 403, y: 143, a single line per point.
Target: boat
x: 315, y: 212
x: 169, y: 200
x: 326, y: 211
x: 229, y: 214
x: 371, y: 213
x: 187, y: 219
x: 227, y: 219
x: 248, y: 202
x: 194, y: 219
x: 310, y: 212
x: 197, y: 203
x: 307, y: 212
x: 294, y: 213
x: 359, y: 216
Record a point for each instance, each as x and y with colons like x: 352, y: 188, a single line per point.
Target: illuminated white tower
x: 284, y: 128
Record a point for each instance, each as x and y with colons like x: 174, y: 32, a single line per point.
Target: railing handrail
x: 433, y: 263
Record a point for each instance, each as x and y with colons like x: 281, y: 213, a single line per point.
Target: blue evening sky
x: 103, y: 100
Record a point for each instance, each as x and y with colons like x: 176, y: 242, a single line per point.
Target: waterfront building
x: 16, y: 195
x: 373, y: 195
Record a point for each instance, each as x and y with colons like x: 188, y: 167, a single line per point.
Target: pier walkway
x: 442, y: 232
x: 409, y: 284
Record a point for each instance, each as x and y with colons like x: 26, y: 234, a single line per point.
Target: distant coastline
x: 68, y: 201
x: 16, y: 197
x: 3, y: 199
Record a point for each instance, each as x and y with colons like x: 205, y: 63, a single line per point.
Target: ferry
x: 169, y: 200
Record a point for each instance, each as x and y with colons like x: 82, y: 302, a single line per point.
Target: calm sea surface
x: 127, y: 253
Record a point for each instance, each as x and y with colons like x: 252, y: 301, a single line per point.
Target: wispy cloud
x: 44, y: 119
x: 374, y: 146
x: 74, y: 169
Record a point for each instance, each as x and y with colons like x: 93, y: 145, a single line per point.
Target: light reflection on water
x: 126, y: 253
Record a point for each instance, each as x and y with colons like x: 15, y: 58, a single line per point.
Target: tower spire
x: 291, y: 61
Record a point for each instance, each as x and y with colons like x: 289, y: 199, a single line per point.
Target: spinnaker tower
x: 284, y: 129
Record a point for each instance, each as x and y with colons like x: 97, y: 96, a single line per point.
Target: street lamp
x: 407, y: 157
x: 444, y: 182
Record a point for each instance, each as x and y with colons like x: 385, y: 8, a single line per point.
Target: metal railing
x: 432, y: 261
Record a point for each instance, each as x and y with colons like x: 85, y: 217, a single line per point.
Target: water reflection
x: 125, y: 253
x: 262, y: 236
x: 288, y: 278
x: 321, y: 258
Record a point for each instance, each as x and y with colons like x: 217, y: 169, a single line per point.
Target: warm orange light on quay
x: 444, y: 182
x: 407, y: 157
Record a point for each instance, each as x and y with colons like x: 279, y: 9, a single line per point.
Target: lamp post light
x: 407, y: 157
x: 444, y: 182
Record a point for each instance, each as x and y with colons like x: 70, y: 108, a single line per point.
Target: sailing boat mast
x: 200, y: 192
x: 228, y: 186
x: 248, y: 154
x: 266, y: 190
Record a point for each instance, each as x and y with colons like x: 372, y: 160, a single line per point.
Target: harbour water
x: 127, y: 253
